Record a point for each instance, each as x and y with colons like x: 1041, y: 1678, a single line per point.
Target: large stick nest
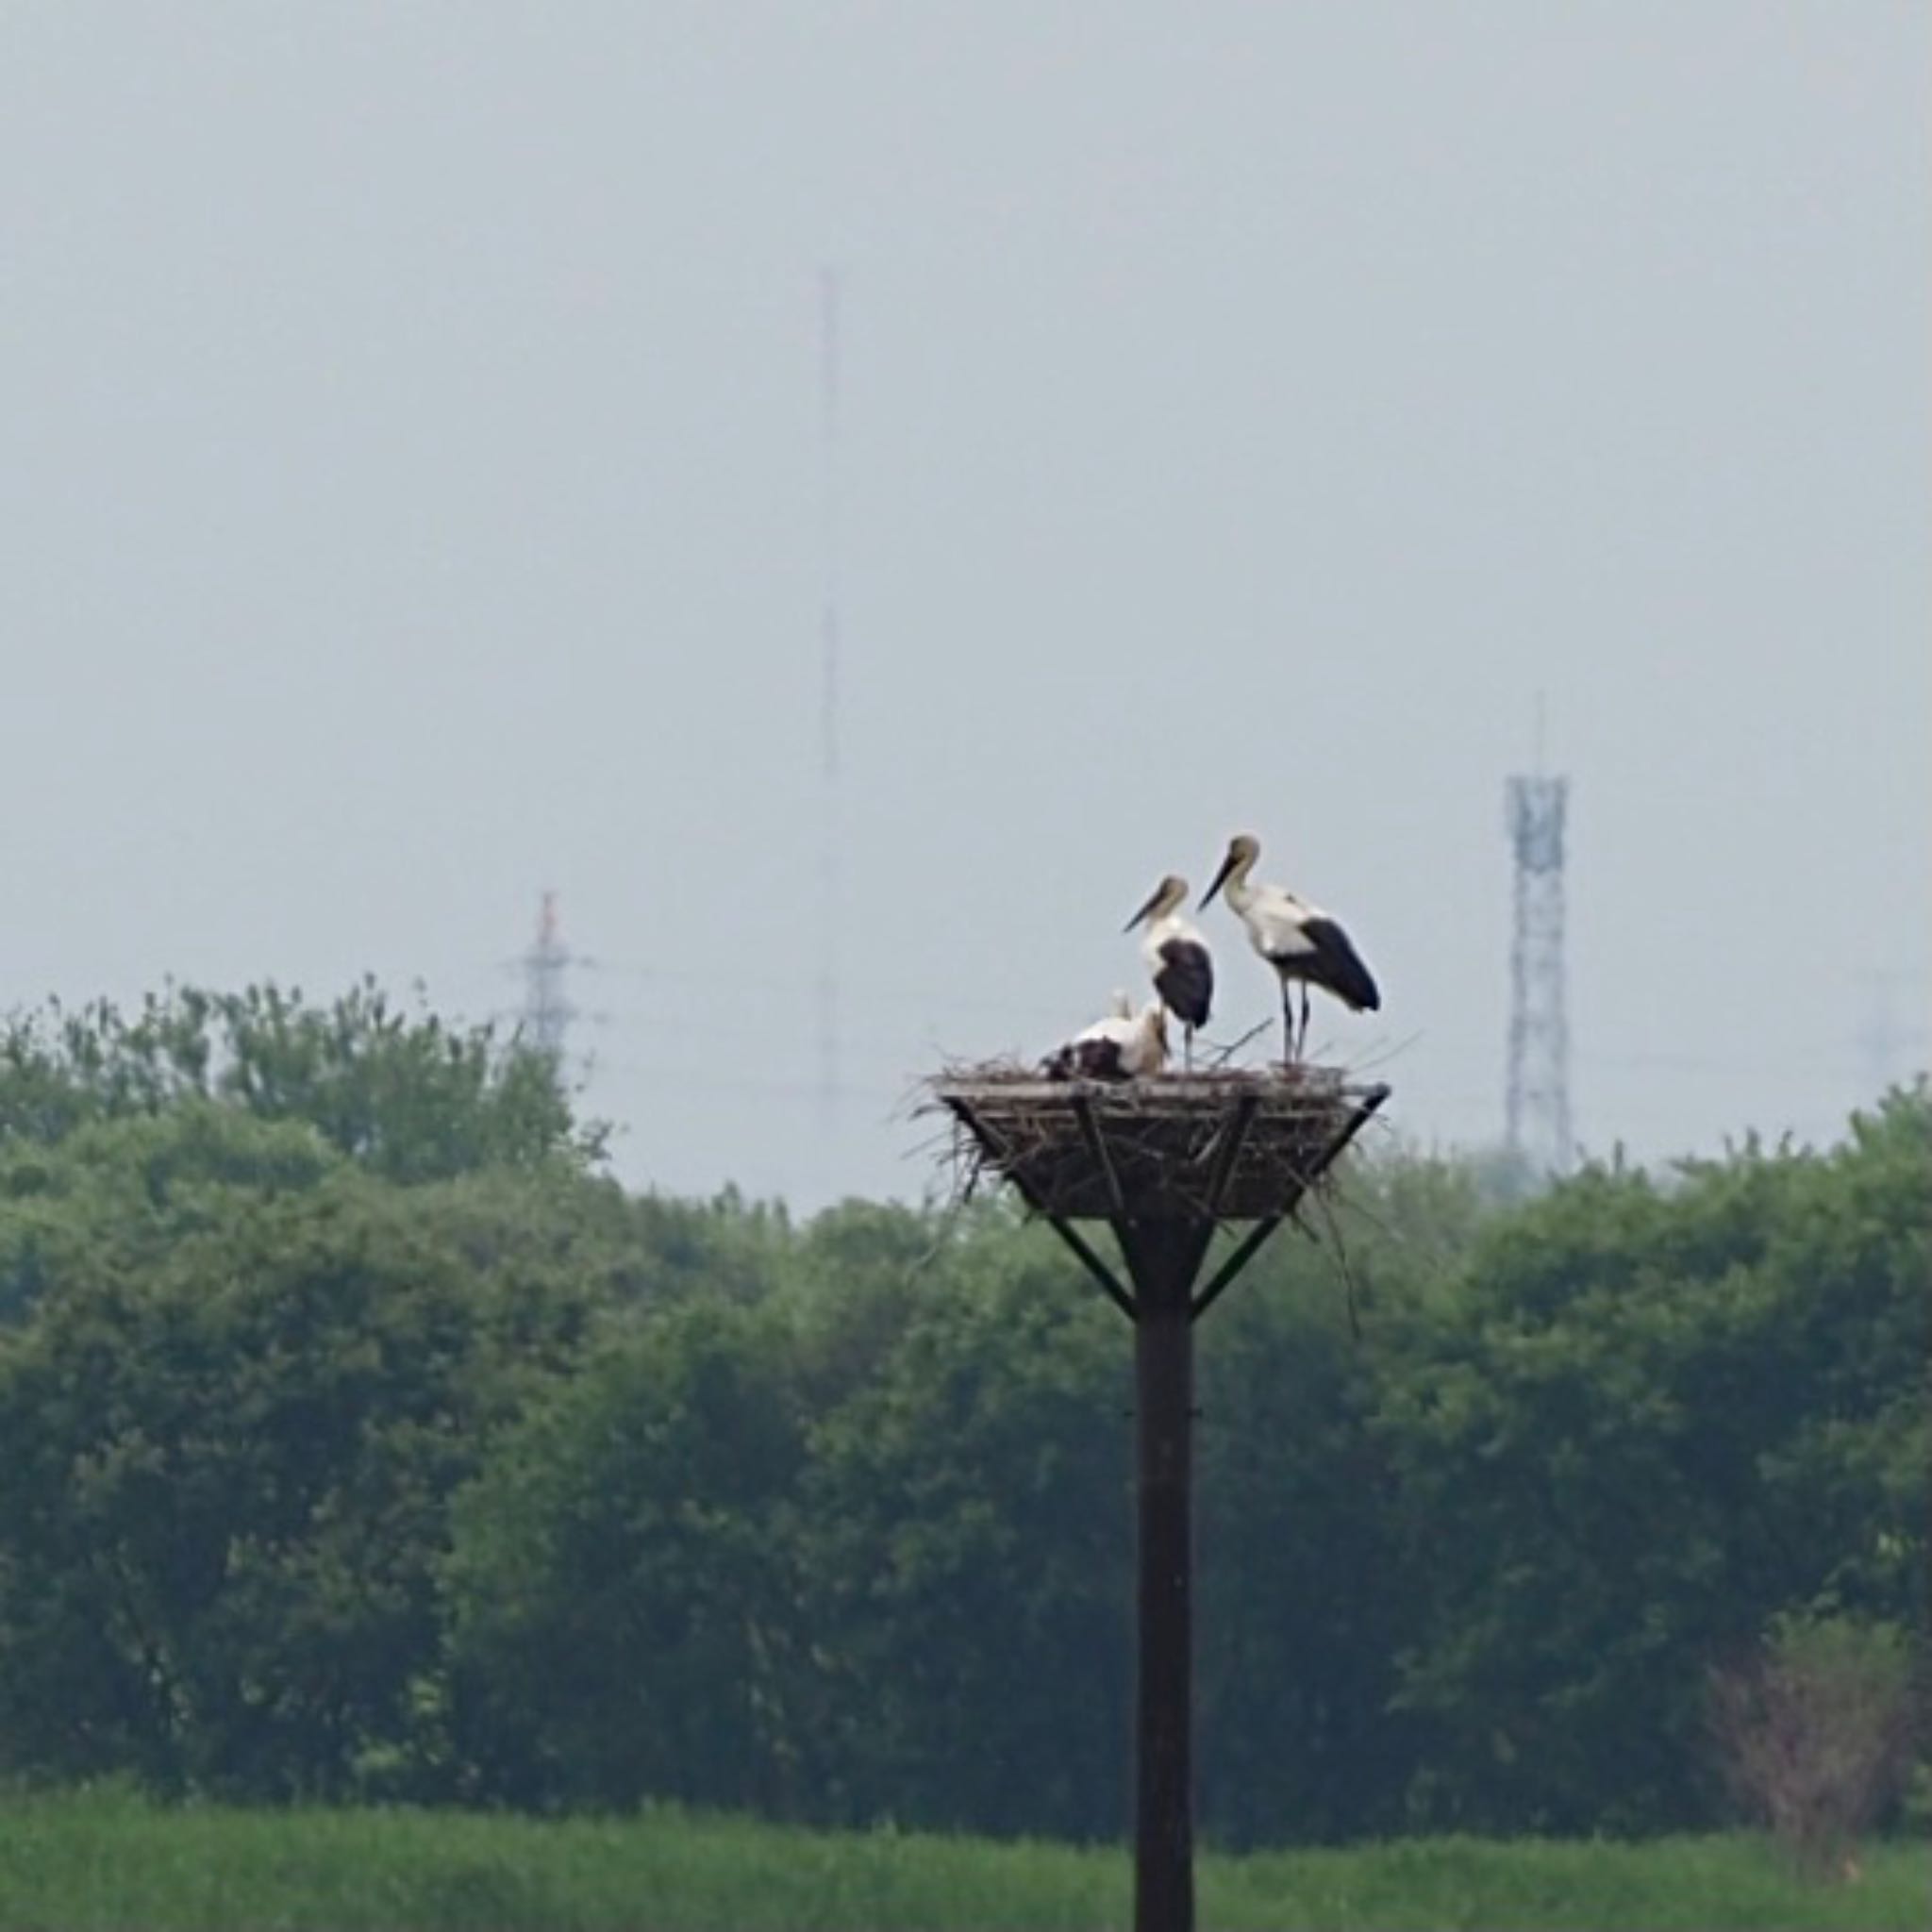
x: 1224, y: 1145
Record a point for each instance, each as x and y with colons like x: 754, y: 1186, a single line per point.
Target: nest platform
x: 1177, y: 1147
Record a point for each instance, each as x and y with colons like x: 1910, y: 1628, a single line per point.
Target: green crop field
x: 112, y: 1860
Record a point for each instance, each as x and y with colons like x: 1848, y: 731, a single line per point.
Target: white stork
x: 1178, y: 957
x: 1301, y: 942
x: 1125, y: 1046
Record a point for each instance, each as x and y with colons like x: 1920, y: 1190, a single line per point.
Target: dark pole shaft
x: 1164, y: 1805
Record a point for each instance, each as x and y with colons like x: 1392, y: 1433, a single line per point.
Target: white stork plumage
x: 1303, y: 944
x: 1178, y: 958
x: 1125, y: 1045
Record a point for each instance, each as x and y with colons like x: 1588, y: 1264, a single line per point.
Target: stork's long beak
x: 1153, y: 900
x: 1220, y: 880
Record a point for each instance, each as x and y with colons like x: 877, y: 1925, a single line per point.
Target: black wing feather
x: 1186, y: 981
x: 1336, y: 966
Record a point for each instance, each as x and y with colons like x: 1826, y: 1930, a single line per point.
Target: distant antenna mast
x: 547, y: 1010
x: 829, y: 882
x: 1538, y: 1095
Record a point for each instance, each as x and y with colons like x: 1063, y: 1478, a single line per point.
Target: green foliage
x: 250, y: 1365
x: 1656, y: 1415
x: 753, y: 1555
x: 622, y: 1591
x: 356, y: 1438
x: 968, y: 1537
x: 1306, y: 1596
x: 120, y: 1192
x: 222, y: 1481
x: 405, y: 1096
x: 98, y: 1862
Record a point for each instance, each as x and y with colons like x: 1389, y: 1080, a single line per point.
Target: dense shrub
x: 358, y: 1436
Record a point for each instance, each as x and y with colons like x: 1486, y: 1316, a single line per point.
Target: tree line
x: 360, y: 1439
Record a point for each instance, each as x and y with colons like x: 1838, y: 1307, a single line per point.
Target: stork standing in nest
x: 1125, y: 1046
x: 1178, y: 957
x: 1303, y: 944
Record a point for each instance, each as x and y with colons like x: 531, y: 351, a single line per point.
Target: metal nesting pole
x: 1164, y: 1261
x: 1165, y: 1164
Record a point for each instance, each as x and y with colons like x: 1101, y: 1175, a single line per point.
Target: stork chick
x: 1178, y: 957
x: 1303, y: 944
x: 1125, y: 1046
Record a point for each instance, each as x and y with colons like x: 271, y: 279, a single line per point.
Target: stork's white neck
x: 1237, y: 891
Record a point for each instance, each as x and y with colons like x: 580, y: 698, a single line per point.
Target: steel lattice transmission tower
x: 1538, y: 1099
x: 547, y: 1009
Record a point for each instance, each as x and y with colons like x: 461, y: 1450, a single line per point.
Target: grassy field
x: 68, y: 1864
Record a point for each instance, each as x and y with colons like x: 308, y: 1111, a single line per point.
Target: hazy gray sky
x: 409, y: 438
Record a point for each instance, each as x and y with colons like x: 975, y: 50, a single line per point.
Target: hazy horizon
x: 415, y: 499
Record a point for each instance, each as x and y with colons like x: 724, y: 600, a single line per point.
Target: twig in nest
x: 1222, y: 1055
x: 948, y: 1220
x: 1381, y: 1057
x: 1160, y: 1138
x: 1335, y: 1249
x: 1340, y: 1248
x: 1355, y: 1205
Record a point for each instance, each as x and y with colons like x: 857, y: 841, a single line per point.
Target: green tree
x: 623, y: 1599
x: 969, y: 1545
x: 403, y: 1094
x: 357, y: 1436
x: 1656, y: 1415
x: 225, y: 1468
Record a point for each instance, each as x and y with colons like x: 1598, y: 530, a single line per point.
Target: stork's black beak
x: 1220, y: 880
x: 1153, y: 900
